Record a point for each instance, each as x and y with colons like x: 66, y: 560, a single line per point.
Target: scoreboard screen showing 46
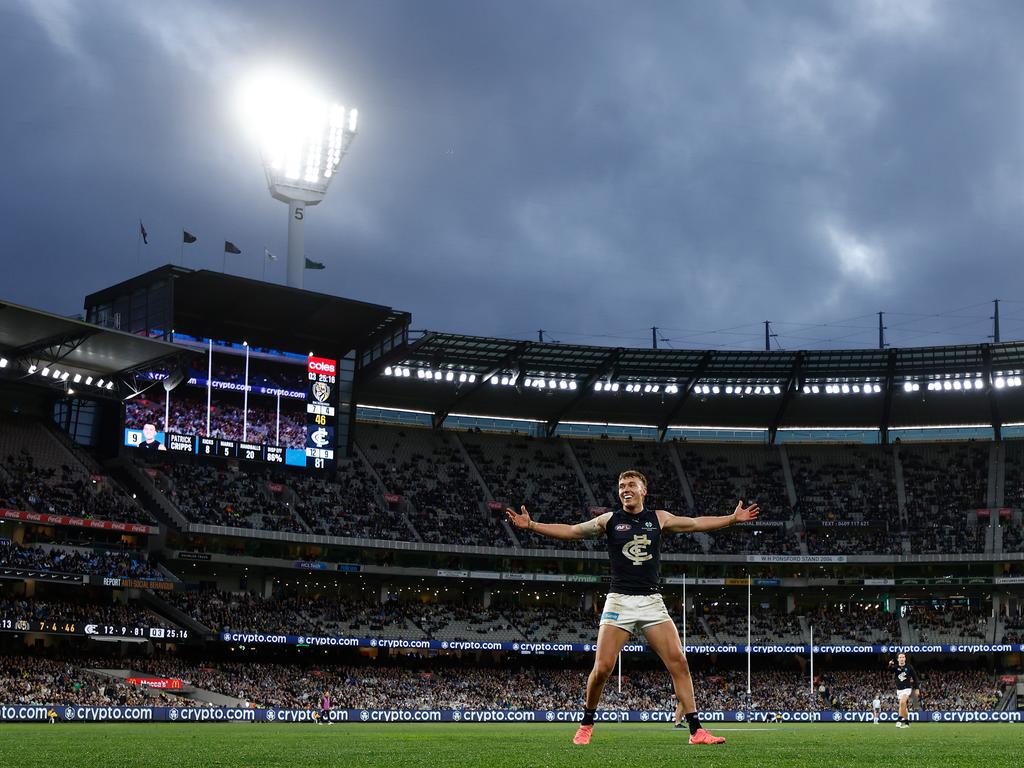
x: 320, y: 412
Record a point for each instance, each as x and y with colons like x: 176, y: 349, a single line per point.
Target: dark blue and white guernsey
x: 634, y: 549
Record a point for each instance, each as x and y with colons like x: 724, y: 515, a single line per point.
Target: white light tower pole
x: 302, y: 140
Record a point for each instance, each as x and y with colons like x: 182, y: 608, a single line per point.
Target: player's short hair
x: 633, y: 473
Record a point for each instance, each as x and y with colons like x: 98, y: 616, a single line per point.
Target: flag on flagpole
x: 187, y: 237
x: 310, y: 264
x: 144, y: 233
x: 230, y: 247
x: 270, y: 256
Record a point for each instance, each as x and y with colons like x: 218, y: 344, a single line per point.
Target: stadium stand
x: 535, y: 472
x: 846, y: 496
x: 428, y: 472
x: 944, y: 482
x: 111, y: 614
x: 39, y: 474
x: 78, y: 560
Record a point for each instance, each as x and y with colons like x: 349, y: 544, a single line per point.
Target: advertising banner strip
x: 77, y: 522
x: 527, y: 647
x: 72, y: 713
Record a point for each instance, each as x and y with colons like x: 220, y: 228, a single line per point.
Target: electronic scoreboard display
x: 279, y: 413
x: 320, y: 413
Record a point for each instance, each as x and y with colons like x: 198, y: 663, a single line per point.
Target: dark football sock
x: 588, y: 716
x: 693, y: 722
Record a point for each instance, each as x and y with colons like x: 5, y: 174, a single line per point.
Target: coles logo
x: 622, y: 527
x: 322, y: 365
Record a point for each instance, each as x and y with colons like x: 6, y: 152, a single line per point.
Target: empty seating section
x: 944, y: 482
x: 955, y: 624
x: 846, y: 496
x: 720, y: 476
x: 534, y: 472
x: 427, y: 470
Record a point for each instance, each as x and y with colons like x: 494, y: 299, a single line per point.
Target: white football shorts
x: 904, y: 692
x: 634, y: 613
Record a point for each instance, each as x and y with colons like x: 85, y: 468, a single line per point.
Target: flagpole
x: 265, y: 260
x: 749, y: 580
x: 684, y: 613
x: 182, y: 246
x: 277, y: 439
x: 167, y: 415
x: 138, y: 244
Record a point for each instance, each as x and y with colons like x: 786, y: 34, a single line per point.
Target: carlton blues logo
x: 636, y: 550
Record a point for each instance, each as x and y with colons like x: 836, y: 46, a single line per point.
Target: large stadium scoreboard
x: 320, y: 433
x: 323, y: 386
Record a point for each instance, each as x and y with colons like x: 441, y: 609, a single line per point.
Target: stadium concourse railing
x: 569, y: 554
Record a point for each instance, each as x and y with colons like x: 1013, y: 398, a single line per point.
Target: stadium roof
x: 554, y: 383
x: 32, y: 341
x: 215, y: 305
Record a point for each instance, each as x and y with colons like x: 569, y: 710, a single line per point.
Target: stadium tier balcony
x: 38, y: 474
x: 114, y: 563
x: 1013, y: 629
x: 728, y: 624
x: 535, y: 472
x: 554, y: 624
x: 427, y: 470
x: 943, y: 484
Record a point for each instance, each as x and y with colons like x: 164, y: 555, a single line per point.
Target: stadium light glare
x: 46, y: 371
x: 845, y: 388
x: 957, y: 384
x: 776, y: 390
x: 463, y: 377
x: 450, y: 376
x: 388, y: 371
x: 598, y: 386
x: 908, y: 386
x: 472, y: 378
x: 302, y: 139
x: 64, y: 376
x: 3, y: 362
x: 573, y: 386
x: 99, y: 383
x: 78, y: 378
x: 88, y: 380
x: 714, y: 389
x: 31, y: 369
x: 110, y: 385
x: 815, y: 389
x: 71, y: 391
x: 947, y: 385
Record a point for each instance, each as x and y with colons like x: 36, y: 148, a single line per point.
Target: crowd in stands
x: 228, y: 421
x: 429, y: 475
x: 1013, y: 627
x: 33, y: 680
x: 348, y: 504
x: 233, y: 497
x: 720, y: 477
x: 537, y: 473
x: 469, y: 688
x: 852, y: 623
x: 64, y: 490
x: 853, y: 541
x: 942, y: 483
x: 955, y: 624
x: 109, y: 614
x: 123, y: 564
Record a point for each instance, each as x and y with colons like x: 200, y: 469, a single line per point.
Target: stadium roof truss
x: 556, y: 383
x: 71, y: 356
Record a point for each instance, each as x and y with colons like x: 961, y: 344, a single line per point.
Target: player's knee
x: 603, y: 668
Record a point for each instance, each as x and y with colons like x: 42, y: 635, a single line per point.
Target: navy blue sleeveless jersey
x: 634, y: 549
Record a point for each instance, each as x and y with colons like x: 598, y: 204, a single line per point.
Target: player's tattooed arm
x: 589, y: 529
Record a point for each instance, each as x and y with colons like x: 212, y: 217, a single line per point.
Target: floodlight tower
x: 302, y: 140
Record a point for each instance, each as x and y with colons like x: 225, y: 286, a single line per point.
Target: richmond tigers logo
x: 636, y: 550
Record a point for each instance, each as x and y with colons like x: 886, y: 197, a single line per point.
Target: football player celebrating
x: 906, y: 684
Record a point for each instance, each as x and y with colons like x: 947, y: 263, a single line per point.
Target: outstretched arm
x: 588, y: 530
x: 679, y: 524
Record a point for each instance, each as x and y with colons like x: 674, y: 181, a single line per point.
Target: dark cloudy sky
x: 591, y: 168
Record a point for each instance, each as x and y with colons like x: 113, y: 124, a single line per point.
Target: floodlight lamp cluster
x: 56, y: 374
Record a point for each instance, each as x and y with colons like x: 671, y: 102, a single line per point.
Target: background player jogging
x: 634, y: 604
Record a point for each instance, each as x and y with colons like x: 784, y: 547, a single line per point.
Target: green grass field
x: 503, y: 746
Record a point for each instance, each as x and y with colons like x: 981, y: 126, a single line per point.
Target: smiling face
x: 632, y: 490
x: 149, y: 432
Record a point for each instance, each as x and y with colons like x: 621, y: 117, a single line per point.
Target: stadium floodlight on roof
x: 302, y: 138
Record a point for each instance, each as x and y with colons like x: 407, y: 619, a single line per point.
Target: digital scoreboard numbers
x: 320, y: 413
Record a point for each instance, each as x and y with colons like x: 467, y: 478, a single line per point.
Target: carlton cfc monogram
x: 636, y: 550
